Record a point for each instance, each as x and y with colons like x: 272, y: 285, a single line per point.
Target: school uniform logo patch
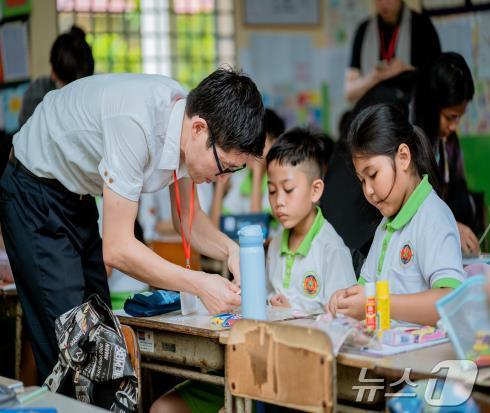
x: 311, y: 286
x: 406, y: 254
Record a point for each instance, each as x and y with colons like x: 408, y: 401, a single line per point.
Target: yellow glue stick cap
x: 382, y: 287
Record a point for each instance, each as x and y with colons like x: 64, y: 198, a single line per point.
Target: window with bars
x: 184, y: 39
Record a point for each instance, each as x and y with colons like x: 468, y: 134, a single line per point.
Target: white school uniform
x: 308, y: 277
x: 423, y: 251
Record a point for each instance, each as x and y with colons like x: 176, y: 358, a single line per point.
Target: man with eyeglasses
x: 120, y: 135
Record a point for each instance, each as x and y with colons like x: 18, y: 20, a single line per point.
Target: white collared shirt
x: 309, y: 277
x: 122, y: 130
x: 424, y: 254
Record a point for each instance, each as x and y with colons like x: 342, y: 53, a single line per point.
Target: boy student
x: 307, y: 261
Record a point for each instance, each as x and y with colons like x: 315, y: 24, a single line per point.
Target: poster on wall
x: 14, y: 51
x: 10, y: 104
x: 13, y: 8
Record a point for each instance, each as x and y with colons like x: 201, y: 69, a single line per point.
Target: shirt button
x: 111, y: 180
x: 106, y: 173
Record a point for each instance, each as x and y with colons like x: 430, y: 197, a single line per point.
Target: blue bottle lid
x: 251, y: 235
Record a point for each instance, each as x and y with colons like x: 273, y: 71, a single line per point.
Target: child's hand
x: 353, y: 303
x: 331, y: 306
x: 280, y: 301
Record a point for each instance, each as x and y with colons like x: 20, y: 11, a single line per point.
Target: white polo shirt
x: 421, y: 246
x: 308, y: 277
x: 119, y: 129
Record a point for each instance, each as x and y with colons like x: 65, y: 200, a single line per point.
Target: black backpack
x: 93, y: 364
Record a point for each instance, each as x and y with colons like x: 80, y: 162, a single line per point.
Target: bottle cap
x: 251, y: 235
x: 370, y: 289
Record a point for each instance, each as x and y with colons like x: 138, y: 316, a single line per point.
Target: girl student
x: 416, y: 246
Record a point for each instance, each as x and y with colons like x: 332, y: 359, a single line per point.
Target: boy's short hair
x: 274, y: 125
x: 300, y: 145
x: 231, y: 105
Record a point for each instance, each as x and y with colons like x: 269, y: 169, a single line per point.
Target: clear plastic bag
x: 347, y: 331
x: 464, y: 315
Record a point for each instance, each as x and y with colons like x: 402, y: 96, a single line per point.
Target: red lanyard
x: 390, y: 53
x: 186, y: 244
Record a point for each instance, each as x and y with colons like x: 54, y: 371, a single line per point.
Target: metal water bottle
x: 252, y: 272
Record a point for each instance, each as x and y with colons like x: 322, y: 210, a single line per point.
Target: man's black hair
x: 299, y: 145
x: 232, y: 107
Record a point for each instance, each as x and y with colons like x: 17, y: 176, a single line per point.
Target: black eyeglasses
x: 218, y: 163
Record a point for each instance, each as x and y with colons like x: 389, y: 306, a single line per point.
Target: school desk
x: 189, y: 347
x: 10, y: 308
x: 185, y: 346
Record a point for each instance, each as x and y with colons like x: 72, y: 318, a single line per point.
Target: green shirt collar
x: 408, y: 210
x: 305, y: 246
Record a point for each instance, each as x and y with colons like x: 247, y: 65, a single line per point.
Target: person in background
x: 442, y: 93
x: 394, y: 41
x: 70, y: 58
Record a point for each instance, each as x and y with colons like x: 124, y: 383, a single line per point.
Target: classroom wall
x: 300, y: 71
x: 42, y: 32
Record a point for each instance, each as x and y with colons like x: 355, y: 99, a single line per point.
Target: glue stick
x: 383, y: 306
x: 370, y: 289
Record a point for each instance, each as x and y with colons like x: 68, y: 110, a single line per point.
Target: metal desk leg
x: 248, y: 405
x: 228, y: 399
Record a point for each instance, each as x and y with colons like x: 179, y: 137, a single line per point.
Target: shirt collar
x: 408, y: 210
x: 305, y: 246
x: 171, y: 147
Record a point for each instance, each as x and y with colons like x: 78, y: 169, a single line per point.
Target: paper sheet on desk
x: 387, y: 350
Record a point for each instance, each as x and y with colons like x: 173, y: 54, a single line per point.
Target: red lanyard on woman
x: 186, y: 244
x: 390, y: 53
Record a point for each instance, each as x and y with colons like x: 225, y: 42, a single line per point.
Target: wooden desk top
x: 194, y: 325
x: 175, y: 322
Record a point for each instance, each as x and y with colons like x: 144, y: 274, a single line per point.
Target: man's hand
x: 218, y: 294
x: 280, y: 300
x: 234, y: 263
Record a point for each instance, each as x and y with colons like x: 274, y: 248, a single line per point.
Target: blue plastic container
x: 252, y: 272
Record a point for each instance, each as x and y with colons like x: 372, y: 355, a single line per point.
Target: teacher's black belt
x: 53, y: 183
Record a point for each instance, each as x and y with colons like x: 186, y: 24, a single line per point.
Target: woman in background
x: 442, y: 93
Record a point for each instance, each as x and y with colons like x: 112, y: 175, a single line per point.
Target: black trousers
x: 55, y: 251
